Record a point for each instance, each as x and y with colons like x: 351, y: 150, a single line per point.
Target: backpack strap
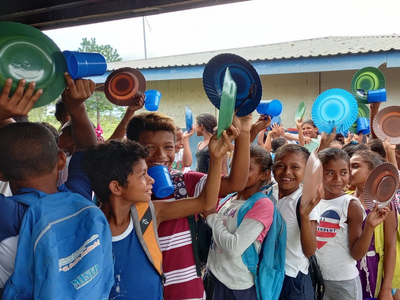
x: 298, y: 212
x: 250, y: 256
x: 143, y: 215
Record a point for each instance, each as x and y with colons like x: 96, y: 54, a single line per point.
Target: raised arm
x: 308, y: 232
x: 236, y: 180
x: 120, y: 130
x: 208, y: 197
x: 259, y: 127
x: 187, y: 153
x: 300, y: 134
x: 359, y: 238
x: 74, y: 97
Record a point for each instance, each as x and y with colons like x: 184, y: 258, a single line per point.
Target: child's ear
x: 266, y: 175
x: 115, y: 188
x: 62, y: 160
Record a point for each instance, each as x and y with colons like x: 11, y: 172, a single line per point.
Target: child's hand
x: 76, y: 92
x: 21, y: 102
x: 299, y: 123
x: 219, y: 147
x: 377, y: 216
x: 243, y: 123
x: 137, y: 104
x: 309, y: 206
x: 188, y: 134
x: 263, y: 122
x: 327, y: 139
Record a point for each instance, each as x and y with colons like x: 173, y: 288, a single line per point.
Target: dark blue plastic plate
x: 244, y: 75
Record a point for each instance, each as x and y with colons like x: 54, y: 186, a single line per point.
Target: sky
x: 236, y: 25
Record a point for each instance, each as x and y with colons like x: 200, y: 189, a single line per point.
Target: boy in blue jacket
x: 30, y: 160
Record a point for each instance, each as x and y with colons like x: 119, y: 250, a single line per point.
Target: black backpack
x: 313, y: 269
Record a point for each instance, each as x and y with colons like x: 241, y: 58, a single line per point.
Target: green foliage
x: 107, y: 51
x: 99, y: 109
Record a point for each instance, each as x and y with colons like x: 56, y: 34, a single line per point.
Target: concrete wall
x: 290, y: 89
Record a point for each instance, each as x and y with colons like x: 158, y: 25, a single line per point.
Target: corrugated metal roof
x: 318, y: 47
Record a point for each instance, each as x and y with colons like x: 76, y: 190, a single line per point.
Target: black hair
x: 277, y: 143
x: 209, y: 121
x: 352, y: 148
x: 53, y: 130
x: 59, y: 109
x: 377, y: 146
x: 112, y: 160
x: 372, y: 159
x: 261, y: 156
x: 310, y: 122
x: 20, y: 119
x: 153, y: 122
x: 292, y: 148
x: 27, y: 150
x: 328, y: 154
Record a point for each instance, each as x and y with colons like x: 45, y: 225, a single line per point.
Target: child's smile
x: 161, y: 145
x: 289, y: 172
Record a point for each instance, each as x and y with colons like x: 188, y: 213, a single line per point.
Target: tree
x: 107, y: 51
x: 98, y: 102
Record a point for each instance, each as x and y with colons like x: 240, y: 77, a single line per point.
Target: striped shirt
x: 179, y: 265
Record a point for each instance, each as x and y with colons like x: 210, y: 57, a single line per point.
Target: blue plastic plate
x: 243, y: 73
x: 334, y: 108
x: 189, y: 119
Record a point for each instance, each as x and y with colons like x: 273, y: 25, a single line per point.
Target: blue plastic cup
x: 162, y: 186
x: 363, y: 125
x: 83, y: 64
x: 376, y: 96
x: 270, y: 107
x: 152, y: 100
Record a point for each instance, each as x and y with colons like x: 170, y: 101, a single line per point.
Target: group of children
x: 155, y: 246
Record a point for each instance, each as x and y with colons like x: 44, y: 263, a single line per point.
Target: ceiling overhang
x: 52, y: 14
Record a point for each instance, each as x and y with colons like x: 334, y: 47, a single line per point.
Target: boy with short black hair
x: 30, y: 160
x: 156, y: 131
x: 118, y: 173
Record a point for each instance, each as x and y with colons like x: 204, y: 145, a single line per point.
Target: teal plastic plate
x: 363, y: 111
x: 28, y: 53
x: 334, y: 108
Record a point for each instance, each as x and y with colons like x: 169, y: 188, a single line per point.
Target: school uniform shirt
x: 295, y: 261
x: 135, y: 276
x: 175, y: 239
x: 229, y: 242
x: 333, y: 251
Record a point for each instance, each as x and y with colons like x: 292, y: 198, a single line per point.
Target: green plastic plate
x: 228, y: 101
x: 301, y: 110
x: 366, y: 79
x: 28, y: 53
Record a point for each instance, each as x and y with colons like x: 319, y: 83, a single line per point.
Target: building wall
x: 290, y: 89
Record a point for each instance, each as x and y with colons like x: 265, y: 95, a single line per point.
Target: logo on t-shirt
x: 326, y: 230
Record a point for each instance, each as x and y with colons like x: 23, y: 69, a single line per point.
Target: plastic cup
x: 152, y: 100
x: 162, y: 186
x: 363, y: 125
x: 376, y: 96
x: 83, y: 64
x: 275, y: 120
x: 270, y: 107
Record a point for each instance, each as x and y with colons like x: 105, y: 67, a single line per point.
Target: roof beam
x: 51, y: 14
